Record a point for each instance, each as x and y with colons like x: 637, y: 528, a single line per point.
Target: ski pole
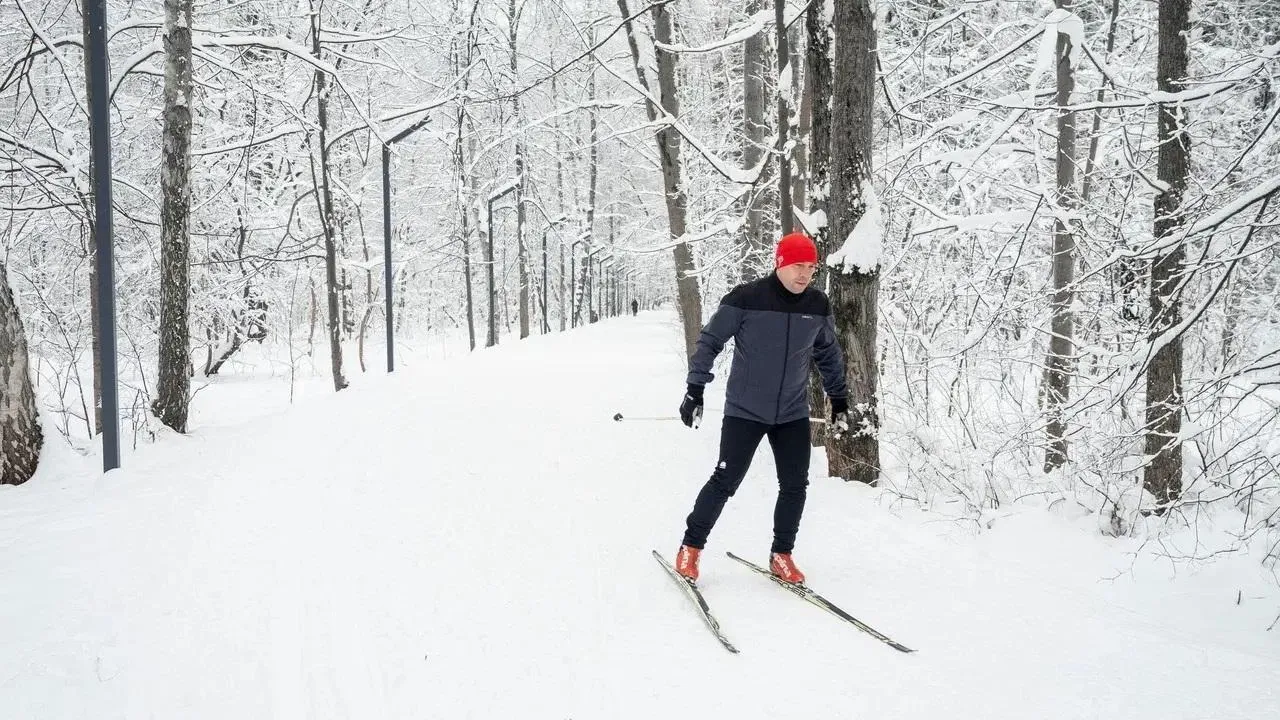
x: 619, y: 417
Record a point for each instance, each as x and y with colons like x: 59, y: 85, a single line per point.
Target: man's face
x: 797, y: 276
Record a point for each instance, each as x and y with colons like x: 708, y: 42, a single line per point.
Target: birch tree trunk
x: 1163, y: 473
x: 326, y: 208
x: 1059, y: 365
x: 688, y: 295
x: 20, y: 436
x: 173, y: 384
x: 854, y: 290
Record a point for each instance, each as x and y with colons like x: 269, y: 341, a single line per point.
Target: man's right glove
x: 839, y: 416
x: 691, y: 407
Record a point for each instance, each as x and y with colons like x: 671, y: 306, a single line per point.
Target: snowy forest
x: 1048, y: 229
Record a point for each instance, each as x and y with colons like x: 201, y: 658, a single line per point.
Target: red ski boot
x: 780, y: 564
x: 687, y: 562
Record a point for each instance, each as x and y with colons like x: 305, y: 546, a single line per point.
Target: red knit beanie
x: 795, y: 248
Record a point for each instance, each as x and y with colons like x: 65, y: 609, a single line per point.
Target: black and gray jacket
x: 775, y: 333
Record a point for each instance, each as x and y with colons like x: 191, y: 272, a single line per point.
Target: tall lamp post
x: 386, y: 231
x: 98, y: 88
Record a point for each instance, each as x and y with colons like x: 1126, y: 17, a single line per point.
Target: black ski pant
x: 739, y: 439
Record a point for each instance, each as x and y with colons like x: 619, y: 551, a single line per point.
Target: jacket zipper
x: 786, y: 354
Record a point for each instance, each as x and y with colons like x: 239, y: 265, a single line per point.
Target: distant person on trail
x: 778, y: 324
x: 635, y: 307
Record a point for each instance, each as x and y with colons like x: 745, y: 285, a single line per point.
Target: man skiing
x: 778, y: 324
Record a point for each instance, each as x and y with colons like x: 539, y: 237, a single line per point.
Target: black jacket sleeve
x: 724, y: 325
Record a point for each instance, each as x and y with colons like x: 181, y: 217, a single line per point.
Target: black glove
x: 839, y: 416
x: 691, y: 407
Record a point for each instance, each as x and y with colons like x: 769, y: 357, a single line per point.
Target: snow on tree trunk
x: 687, y: 291
x: 173, y: 385
x: 688, y: 295
x: 817, y: 84
x: 1059, y: 364
x: 20, y: 435
x: 854, y: 217
x: 786, y: 79
x: 513, y: 20
x: 755, y: 249
x: 560, y: 207
x: 1163, y: 473
x: 464, y: 201
x: 326, y: 209
x: 800, y: 98
x: 586, y: 278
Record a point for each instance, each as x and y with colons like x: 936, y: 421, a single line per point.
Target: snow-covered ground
x: 470, y: 538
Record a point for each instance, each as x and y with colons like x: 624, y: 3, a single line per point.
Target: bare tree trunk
x: 1126, y: 269
x: 755, y: 250
x: 345, y: 283
x: 585, y: 278
x: 802, y: 98
x: 690, y: 298
x: 326, y: 210
x: 312, y: 312
x: 818, y: 84
x: 522, y: 250
x: 786, y: 78
x: 20, y: 436
x: 563, y: 319
x: 555, y: 129
x: 482, y: 233
x: 1060, y: 363
x: 173, y: 384
x: 463, y: 202
x: 854, y: 290
x: 1087, y: 180
x: 460, y: 162
x: 491, y: 290
x: 688, y: 294
x: 1163, y: 474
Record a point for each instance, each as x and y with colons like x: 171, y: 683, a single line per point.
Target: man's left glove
x: 839, y: 416
x: 691, y: 407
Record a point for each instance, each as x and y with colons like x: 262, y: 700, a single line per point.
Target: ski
x: 691, y: 591
x: 816, y: 599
